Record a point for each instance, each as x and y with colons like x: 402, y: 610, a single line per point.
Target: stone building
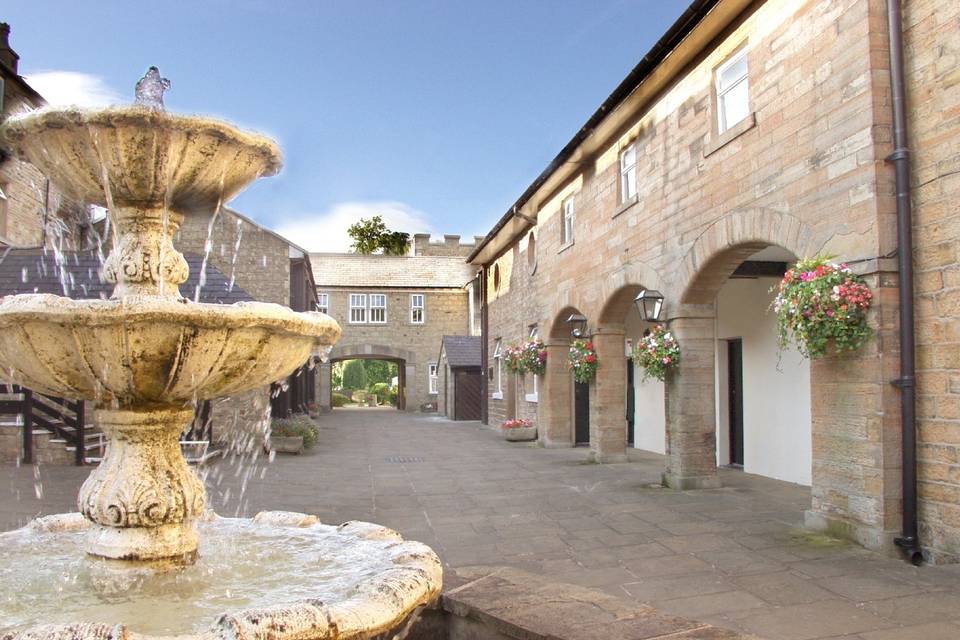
x: 398, y: 308
x: 754, y: 133
x: 269, y: 268
x: 32, y: 212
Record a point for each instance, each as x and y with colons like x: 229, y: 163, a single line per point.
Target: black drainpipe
x: 484, y: 355
x: 909, y: 540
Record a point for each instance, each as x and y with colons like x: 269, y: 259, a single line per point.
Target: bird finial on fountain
x: 150, y: 89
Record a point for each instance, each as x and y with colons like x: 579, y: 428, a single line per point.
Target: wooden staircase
x: 55, y: 430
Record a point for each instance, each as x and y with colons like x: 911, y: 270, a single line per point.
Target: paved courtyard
x: 733, y: 557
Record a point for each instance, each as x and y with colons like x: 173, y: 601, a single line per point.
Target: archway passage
x: 398, y: 363
x: 367, y: 382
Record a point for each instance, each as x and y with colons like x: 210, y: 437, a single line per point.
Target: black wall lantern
x: 579, y: 324
x: 649, y: 303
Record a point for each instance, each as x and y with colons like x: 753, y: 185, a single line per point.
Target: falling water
x: 208, y: 245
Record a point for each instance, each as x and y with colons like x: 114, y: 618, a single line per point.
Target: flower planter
x: 286, y: 444
x: 520, y: 434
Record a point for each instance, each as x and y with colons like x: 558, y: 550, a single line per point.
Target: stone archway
x: 556, y: 402
x: 708, y: 264
x: 404, y: 358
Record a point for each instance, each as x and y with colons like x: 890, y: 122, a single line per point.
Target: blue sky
x: 436, y: 114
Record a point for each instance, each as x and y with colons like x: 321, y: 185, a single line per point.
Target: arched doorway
x: 404, y: 360
x: 563, y: 421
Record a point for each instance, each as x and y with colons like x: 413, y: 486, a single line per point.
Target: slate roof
x: 35, y: 271
x: 412, y: 272
x: 462, y: 351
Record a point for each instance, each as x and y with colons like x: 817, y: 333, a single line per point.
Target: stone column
x: 855, y: 411
x: 325, y: 386
x: 690, y: 398
x: 411, y: 384
x: 555, y: 421
x: 608, y: 397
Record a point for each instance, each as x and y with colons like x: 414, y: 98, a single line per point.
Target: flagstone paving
x: 734, y: 557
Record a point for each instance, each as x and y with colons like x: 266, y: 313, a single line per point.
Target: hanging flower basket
x: 822, y: 308
x: 657, y: 353
x: 583, y: 360
x: 529, y: 357
x: 513, y: 359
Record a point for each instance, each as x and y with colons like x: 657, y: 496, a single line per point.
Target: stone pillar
x: 608, y: 397
x: 555, y: 423
x: 411, y: 383
x: 325, y: 387
x: 691, y: 408
x: 855, y: 412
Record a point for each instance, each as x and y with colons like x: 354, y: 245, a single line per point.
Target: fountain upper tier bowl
x: 150, y: 350
x: 140, y: 157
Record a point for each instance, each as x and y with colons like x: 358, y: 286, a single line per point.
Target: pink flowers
x: 657, y: 352
x: 518, y: 423
x: 821, y: 306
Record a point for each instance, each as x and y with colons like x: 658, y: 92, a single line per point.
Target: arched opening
x: 564, y: 406
x: 643, y: 404
x: 366, y: 382
x: 755, y: 381
x: 395, y: 367
x: 761, y: 411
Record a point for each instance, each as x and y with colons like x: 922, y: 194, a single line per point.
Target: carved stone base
x: 143, y: 497
x: 176, y: 542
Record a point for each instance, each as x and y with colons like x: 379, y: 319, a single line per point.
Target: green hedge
x: 339, y: 400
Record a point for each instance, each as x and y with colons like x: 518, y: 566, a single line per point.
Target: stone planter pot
x: 520, y: 434
x: 286, y: 444
x: 371, y: 401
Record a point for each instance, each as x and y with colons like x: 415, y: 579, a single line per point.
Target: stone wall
x: 933, y: 71
x: 452, y: 245
x: 30, y: 198
x: 513, y: 306
x: 258, y: 259
x: 804, y: 172
x: 446, y: 313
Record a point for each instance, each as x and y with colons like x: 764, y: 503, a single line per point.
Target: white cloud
x: 69, y: 88
x: 327, y: 231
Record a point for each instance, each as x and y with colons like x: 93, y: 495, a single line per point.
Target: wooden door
x: 467, y: 395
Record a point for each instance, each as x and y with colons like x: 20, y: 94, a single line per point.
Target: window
x: 733, y: 96
x: 566, y: 229
x: 498, y: 369
x: 378, y: 308
x: 534, y: 395
x: 358, y: 308
x: 416, y: 308
x: 323, y: 302
x: 628, y: 173
x: 432, y: 377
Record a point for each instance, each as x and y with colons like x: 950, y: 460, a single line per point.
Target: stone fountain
x: 145, y: 357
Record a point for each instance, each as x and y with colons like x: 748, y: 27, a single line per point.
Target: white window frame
x: 628, y: 174
x: 723, y: 90
x: 433, y: 378
x: 323, y: 302
x: 358, y: 302
x: 380, y: 298
x: 498, y: 369
x: 421, y: 308
x: 566, y: 223
x: 535, y: 395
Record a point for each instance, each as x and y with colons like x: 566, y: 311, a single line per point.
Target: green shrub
x: 338, y: 399
x: 354, y: 375
x: 393, y: 396
x: 299, y: 425
x: 382, y: 391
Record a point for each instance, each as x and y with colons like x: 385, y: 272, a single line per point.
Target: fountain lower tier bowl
x: 282, y: 574
x: 145, y: 350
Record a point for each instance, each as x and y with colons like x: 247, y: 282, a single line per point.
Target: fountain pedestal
x: 143, y: 497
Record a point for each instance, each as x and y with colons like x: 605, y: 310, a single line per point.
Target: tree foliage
x: 354, y: 375
x: 379, y: 371
x: 372, y: 236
